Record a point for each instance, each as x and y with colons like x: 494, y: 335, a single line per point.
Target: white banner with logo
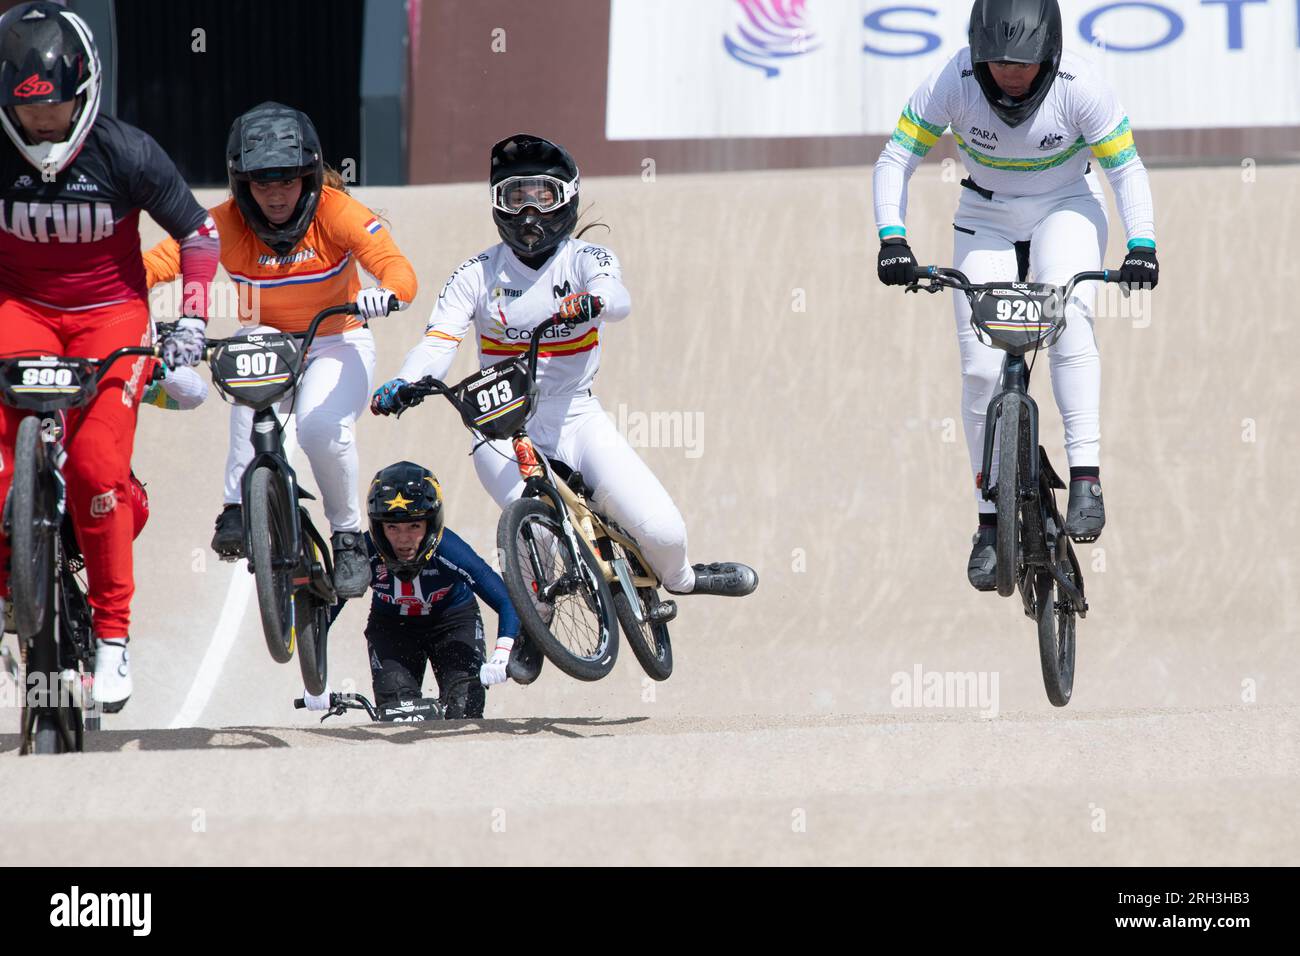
x: 691, y: 69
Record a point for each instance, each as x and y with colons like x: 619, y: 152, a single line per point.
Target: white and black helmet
x: 48, y: 55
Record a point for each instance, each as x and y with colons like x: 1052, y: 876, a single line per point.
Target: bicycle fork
x: 268, y: 449
x: 1013, y: 387
x: 539, y: 483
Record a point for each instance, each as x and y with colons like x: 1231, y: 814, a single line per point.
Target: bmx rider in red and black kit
x: 72, y: 282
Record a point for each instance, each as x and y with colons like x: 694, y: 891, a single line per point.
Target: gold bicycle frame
x: 588, y: 523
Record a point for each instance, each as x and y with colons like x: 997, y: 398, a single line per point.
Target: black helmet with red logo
x: 47, y: 55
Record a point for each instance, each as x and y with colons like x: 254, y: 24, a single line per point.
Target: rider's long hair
x: 583, y: 230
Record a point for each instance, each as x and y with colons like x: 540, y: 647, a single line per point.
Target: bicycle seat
x: 571, y: 478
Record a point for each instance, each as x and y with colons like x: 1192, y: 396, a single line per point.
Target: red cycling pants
x: 99, y: 439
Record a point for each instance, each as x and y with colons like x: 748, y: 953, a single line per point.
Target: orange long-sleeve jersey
x: 286, y: 292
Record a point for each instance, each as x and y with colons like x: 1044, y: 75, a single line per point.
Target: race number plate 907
x: 258, y: 369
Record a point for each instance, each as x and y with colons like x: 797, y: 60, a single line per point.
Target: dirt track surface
x: 825, y: 449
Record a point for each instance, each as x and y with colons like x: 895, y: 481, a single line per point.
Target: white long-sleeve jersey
x: 505, y: 300
x: 1080, y: 119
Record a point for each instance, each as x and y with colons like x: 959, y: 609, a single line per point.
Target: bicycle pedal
x: 663, y: 612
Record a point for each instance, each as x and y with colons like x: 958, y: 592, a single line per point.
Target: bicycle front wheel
x: 268, y: 523
x: 1008, y: 496
x: 33, y: 524
x: 566, y: 608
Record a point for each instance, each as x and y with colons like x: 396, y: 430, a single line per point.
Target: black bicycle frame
x: 268, y: 451
x: 1014, y: 387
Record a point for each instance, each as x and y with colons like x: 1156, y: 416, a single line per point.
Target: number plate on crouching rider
x: 256, y: 370
x: 1017, y: 316
x: 497, y: 399
x: 46, y: 382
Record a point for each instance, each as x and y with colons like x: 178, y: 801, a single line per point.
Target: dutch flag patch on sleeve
x: 373, y: 226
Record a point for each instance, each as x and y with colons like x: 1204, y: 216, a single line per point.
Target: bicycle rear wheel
x: 268, y: 523
x: 1056, y: 629
x: 32, y: 508
x: 47, y: 735
x: 565, y: 609
x: 649, y: 641
x: 1009, y: 447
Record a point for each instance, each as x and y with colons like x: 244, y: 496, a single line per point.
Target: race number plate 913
x: 498, y: 399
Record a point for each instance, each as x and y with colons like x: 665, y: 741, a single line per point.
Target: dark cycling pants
x: 452, y: 642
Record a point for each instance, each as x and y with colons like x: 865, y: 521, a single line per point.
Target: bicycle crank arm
x: 1071, y: 592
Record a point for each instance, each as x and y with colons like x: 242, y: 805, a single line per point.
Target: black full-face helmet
x: 47, y: 55
x: 404, y: 492
x: 1016, y: 31
x: 270, y: 143
x: 534, y: 194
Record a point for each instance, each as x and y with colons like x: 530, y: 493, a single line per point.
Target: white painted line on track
x: 227, y: 629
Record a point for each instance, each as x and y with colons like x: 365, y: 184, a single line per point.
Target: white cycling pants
x: 1067, y: 231
x: 333, y: 391
x: 575, y: 430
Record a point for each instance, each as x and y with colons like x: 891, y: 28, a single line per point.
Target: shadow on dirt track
x: 258, y: 738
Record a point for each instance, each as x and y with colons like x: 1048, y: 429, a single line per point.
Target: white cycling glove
x: 494, y: 671
x: 373, y: 303
x: 317, y: 703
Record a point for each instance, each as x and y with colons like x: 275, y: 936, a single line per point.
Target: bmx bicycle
x: 1033, y: 552
x: 404, y: 711
x: 52, y: 616
x: 572, y: 573
x: 287, y: 556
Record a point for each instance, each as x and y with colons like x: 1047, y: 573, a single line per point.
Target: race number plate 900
x: 46, y: 376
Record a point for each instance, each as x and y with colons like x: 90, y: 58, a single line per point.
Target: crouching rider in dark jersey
x: 73, y: 183
x: 424, y: 579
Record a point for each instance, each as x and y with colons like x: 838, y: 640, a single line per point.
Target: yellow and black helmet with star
x: 405, y: 491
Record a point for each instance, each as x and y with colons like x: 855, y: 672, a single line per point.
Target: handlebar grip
x: 300, y: 704
x: 393, y: 304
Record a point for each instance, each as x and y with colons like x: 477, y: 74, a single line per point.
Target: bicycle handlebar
x: 104, y: 363
x: 413, y: 393
x: 943, y: 278
x: 341, y: 702
x: 349, y: 308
